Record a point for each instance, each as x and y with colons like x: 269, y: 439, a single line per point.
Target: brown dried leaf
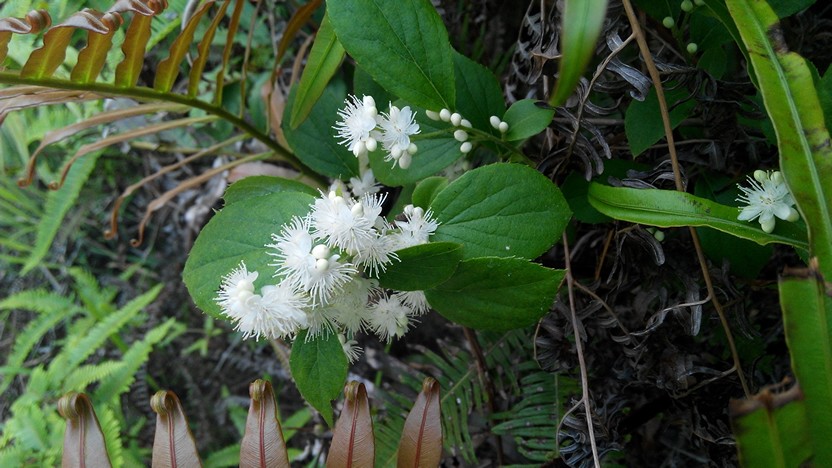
x: 353, y: 443
x: 173, y: 445
x: 84, y: 444
x: 421, y: 442
x: 34, y: 22
x: 263, y: 444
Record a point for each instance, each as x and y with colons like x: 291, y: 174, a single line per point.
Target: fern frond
x: 38, y: 300
x: 120, y: 381
x: 97, y: 300
x: 28, y: 337
x: 77, y: 350
x: 32, y: 23
x: 111, y: 428
x: 79, y: 379
x: 534, y: 420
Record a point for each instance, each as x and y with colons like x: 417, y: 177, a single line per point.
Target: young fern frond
x: 98, y: 300
x: 111, y: 428
x: 114, y: 385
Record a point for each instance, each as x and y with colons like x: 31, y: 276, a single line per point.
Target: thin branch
x: 570, y: 283
x: 668, y: 130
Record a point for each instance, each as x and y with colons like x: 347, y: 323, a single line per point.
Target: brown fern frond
x: 34, y: 22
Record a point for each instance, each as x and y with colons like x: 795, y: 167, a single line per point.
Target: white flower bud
x: 369, y: 101
x: 405, y: 160
x: 359, y: 149
x: 432, y: 115
x: 461, y: 135
x: 322, y: 264
x: 357, y: 210
x: 465, y: 123
x: 760, y: 175
x: 494, y: 121
x: 466, y: 147
x: 412, y: 148
x: 445, y: 115
x: 396, y: 152
x: 503, y: 127
x: 320, y: 251
x: 793, y: 215
x: 777, y: 177
x: 456, y: 119
x: 767, y: 225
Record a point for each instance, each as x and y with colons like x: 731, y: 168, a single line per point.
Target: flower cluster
x: 362, y: 128
x: 768, y: 197
x: 325, y: 263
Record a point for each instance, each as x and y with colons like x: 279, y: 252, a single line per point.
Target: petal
x: 782, y: 211
x: 749, y: 212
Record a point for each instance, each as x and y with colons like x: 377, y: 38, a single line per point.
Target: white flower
x: 389, y: 318
x: 305, y: 266
x: 365, y: 185
x: 415, y: 301
x: 342, y: 222
x: 376, y: 255
x: 768, y: 197
x: 351, y: 348
x: 351, y: 306
x: 321, y: 321
x: 235, y: 291
x: 358, y: 120
x: 397, y: 126
x: 418, y: 226
x: 276, y: 314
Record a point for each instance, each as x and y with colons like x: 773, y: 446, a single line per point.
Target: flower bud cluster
x: 326, y: 264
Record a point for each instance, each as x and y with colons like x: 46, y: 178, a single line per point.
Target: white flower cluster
x: 768, y: 197
x: 326, y: 262
x: 362, y: 127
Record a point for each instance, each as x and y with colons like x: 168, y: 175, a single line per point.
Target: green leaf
x: 785, y: 8
x: 427, y: 189
x: 643, y: 119
x: 825, y: 95
x: 58, y: 203
x: 403, y: 45
x: 789, y: 95
x: 503, y: 210
x: 525, y: 118
x: 323, y: 62
x: 478, y: 92
x: 319, y: 367
x: 669, y: 208
x: 168, y: 69
x: 771, y: 430
x: 582, y: 23
x: 239, y: 232
x: 314, y: 142
x: 258, y: 186
x: 491, y: 293
x: 434, y: 154
x: 807, y: 320
x: 422, y: 266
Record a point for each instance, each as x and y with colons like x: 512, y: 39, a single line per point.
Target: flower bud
x: 461, y: 135
x: 503, y: 127
x: 321, y: 251
x: 668, y: 22
x: 405, y: 160
x: 687, y: 6
x: 494, y: 121
x: 466, y: 147
x: 456, y: 119
x: 445, y: 115
x: 432, y: 115
x: 692, y: 48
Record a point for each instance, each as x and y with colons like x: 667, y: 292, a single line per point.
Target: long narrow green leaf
x: 323, y: 62
x: 168, y: 68
x: 133, y: 47
x: 668, y: 208
x: 203, y: 50
x: 582, y: 24
x: 791, y: 101
x: 92, y: 57
x: 43, y: 62
x: 58, y: 204
x: 807, y: 319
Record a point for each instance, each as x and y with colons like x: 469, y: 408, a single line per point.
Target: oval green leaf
x: 422, y: 266
x: 498, y: 294
x: 239, y: 232
x: 502, y: 210
x: 319, y: 367
x: 259, y: 186
x: 478, y: 92
x: 525, y: 118
x: 427, y: 189
x: 403, y: 45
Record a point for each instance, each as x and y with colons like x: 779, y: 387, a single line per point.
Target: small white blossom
x: 351, y: 306
x: 358, y: 120
x: 415, y: 301
x: 351, y: 348
x: 418, y: 226
x: 307, y: 266
x: 397, y: 126
x: 277, y: 314
x: 365, y: 185
x: 768, y: 197
x: 342, y: 222
x: 389, y: 318
x: 236, y: 289
x: 375, y: 256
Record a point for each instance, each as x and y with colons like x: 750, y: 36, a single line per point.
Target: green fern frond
x: 79, y: 379
x: 120, y: 381
x: 111, y: 428
x: 97, y: 300
x: 77, y: 350
x: 31, y: 335
x: 533, y: 421
x: 40, y: 301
